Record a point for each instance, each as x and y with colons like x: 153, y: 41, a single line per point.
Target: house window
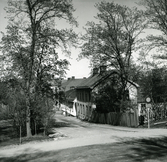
x: 83, y: 96
x: 83, y: 109
x: 86, y: 110
x: 86, y: 97
x: 72, y: 87
x: 80, y: 97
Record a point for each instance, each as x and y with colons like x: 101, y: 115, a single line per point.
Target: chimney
x: 103, y: 69
x: 95, y: 71
x: 73, y: 77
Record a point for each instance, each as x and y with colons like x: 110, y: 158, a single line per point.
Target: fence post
x: 20, y: 134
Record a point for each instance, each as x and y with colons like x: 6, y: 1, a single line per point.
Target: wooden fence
x: 129, y: 119
x: 158, y: 111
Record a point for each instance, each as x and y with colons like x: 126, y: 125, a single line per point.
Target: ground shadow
x: 150, y: 148
x: 30, y: 155
x: 71, y: 123
x: 61, y: 124
x: 141, y: 150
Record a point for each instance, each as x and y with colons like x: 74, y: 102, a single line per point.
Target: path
x: 81, y: 134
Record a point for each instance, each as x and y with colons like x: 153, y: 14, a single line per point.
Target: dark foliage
x: 107, y: 100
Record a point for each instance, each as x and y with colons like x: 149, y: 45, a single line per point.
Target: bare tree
x: 113, y: 39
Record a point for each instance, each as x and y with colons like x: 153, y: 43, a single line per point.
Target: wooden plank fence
x: 129, y: 119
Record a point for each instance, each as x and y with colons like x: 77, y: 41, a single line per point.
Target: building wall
x: 132, y: 93
x: 83, y: 95
x: 85, y: 100
x: 83, y: 109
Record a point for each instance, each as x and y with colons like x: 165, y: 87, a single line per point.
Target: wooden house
x: 80, y: 95
x: 84, y: 102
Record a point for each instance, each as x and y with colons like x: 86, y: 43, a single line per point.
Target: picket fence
x: 128, y: 119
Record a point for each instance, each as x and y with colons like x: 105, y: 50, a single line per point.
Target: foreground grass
x: 144, y: 150
x: 8, y: 136
x: 16, y: 141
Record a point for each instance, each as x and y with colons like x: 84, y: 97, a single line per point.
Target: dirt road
x: 79, y: 133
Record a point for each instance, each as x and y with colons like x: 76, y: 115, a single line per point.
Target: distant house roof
x: 95, y: 80
x: 71, y: 83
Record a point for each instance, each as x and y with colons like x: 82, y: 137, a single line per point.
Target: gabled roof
x: 95, y: 80
x: 71, y: 83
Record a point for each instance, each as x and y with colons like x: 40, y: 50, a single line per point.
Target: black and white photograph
x: 83, y: 81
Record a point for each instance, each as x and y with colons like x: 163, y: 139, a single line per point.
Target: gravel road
x: 78, y: 133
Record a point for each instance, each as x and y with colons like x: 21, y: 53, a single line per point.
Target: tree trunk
x: 29, y: 134
x: 20, y: 135
x: 44, y: 131
x: 35, y: 127
x: 28, y: 121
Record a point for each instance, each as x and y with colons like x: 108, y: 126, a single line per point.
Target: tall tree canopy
x: 113, y: 37
x: 156, y: 12
x: 155, y: 44
x: 30, y: 43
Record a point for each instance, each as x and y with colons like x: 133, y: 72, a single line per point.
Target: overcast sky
x: 85, y: 11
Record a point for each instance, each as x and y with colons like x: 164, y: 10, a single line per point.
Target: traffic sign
x: 148, y: 99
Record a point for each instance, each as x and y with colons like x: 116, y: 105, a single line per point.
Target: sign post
x: 148, y: 105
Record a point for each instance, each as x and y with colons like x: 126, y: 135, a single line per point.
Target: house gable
x: 85, y: 88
